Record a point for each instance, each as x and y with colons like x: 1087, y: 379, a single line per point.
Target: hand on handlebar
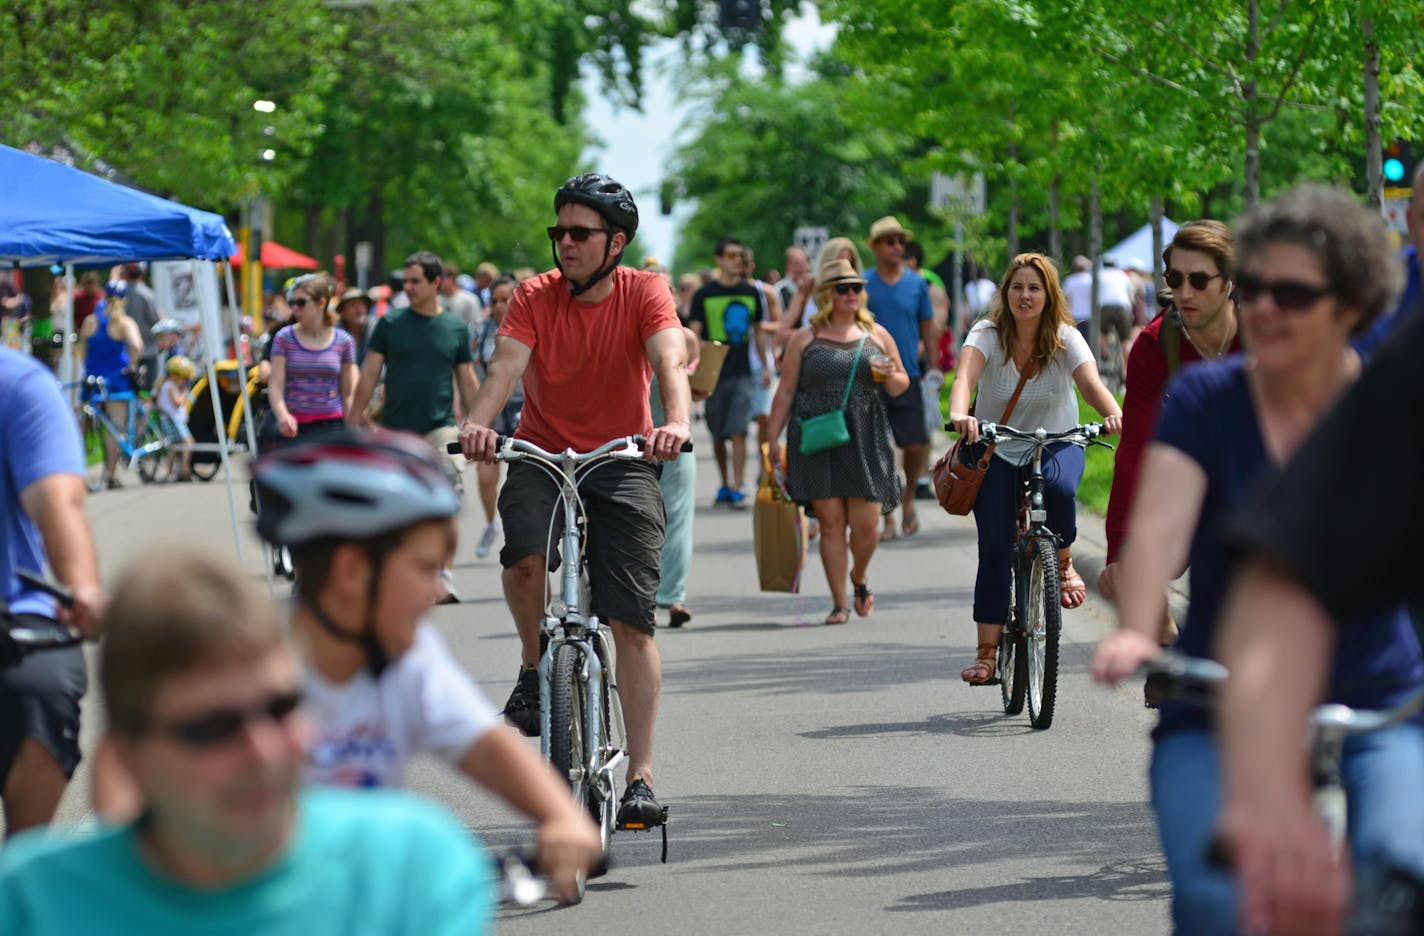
x: 1289, y: 877
x: 568, y: 846
x: 665, y: 442
x: 967, y: 426
x: 479, y: 443
x: 87, y: 612
x: 1121, y: 654
x: 1112, y: 425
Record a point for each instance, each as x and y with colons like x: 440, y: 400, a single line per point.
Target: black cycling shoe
x: 522, y: 709
x: 638, y: 810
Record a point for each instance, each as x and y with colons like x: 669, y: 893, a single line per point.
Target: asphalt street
x: 821, y: 780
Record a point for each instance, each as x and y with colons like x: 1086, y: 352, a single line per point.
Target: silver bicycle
x: 581, y: 722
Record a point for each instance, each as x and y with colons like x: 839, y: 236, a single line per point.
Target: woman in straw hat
x: 854, y: 484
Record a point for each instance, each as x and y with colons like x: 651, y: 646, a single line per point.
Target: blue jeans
x: 1384, y: 779
x: 678, y: 482
x: 995, y: 517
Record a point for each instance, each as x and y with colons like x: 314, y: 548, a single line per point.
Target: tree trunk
x: 1374, y: 161
x: 1055, y: 193
x: 1157, y: 245
x: 1250, y: 99
x: 1095, y: 247
x: 1012, y: 233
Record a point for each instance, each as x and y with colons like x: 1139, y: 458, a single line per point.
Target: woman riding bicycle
x: 110, y: 345
x: 1315, y: 269
x: 1029, y: 332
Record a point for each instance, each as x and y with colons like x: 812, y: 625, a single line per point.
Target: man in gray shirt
x: 142, y: 307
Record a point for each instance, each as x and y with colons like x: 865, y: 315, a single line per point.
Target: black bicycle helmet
x: 604, y: 195
x: 612, y: 200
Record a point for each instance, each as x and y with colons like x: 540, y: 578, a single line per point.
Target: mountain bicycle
x: 1394, y: 903
x: 142, y: 442
x: 1028, y: 648
x: 581, y: 722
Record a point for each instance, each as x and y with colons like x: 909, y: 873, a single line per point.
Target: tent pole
x: 210, y: 318
x: 66, y: 360
x: 250, y: 421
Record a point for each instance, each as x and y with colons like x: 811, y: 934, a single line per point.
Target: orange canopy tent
x: 277, y: 257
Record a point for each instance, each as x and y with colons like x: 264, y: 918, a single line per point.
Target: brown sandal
x: 984, y: 665
x: 1073, y: 591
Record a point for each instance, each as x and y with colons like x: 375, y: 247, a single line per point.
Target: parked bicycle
x: 141, y: 441
x: 581, y: 722
x: 1028, y: 648
x: 1391, y: 903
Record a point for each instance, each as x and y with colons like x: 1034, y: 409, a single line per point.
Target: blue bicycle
x: 142, y: 442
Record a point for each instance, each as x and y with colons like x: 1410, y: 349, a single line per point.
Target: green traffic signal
x: 1393, y: 170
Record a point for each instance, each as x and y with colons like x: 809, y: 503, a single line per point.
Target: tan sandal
x: 1072, y: 590
x: 983, y: 667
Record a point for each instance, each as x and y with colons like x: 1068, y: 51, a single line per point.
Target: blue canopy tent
x: 1138, y: 245
x: 51, y: 213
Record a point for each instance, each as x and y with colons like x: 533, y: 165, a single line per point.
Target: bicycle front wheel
x: 567, y: 748
x: 96, y: 473
x: 1042, y: 623
x: 153, y: 462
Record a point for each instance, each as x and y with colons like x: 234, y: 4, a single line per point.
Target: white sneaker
x: 447, y: 578
x: 487, y: 538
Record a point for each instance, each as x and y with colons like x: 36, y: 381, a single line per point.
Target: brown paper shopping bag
x: 779, y: 532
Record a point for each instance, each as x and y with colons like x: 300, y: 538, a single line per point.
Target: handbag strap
x: 1024, y: 376
x: 850, y: 382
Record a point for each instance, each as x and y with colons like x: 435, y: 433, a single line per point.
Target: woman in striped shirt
x: 313, y: 364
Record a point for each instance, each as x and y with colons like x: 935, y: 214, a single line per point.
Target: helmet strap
x: 376, y: 658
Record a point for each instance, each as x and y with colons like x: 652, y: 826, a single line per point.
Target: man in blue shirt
x: 41, y: 517
x: 900, y: 301
x: 203, y: 696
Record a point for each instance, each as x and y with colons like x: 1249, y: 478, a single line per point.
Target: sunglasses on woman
x: 579, y: 233
x: 298, y: 303
x: 1199, y: 280
x: 848, y: 289
x: 1288, y: 295
x: 222, y: 725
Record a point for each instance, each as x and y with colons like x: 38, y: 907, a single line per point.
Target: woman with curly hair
x: 1314, y: 270
x: 1030, y: 331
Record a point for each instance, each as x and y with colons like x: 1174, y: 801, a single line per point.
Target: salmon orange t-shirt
x: 588, y: 376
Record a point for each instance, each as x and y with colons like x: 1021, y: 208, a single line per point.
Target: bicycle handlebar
x: 520, y: 883
x: 18, y: 641
x: 510, y: 449
x: 1181, y: 675
x: 1078, y: 435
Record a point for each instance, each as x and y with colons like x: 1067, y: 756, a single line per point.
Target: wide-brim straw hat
x: 836, y: 272
x: 886, y: 226
x: 353, y: 293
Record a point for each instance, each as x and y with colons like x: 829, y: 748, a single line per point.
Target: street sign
x: 1394, y: 216
x: 811, y: 239
x: 958, y: 195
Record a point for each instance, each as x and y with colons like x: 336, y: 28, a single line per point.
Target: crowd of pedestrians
x: 839, y: 365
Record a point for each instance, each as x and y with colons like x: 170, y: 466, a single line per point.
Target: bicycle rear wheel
x: 96, y: 474
x: 1042, y: 623
x: 1013, y: 660
x: 153, y: 463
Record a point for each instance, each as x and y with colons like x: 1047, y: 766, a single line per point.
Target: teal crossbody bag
x: 826, y: 431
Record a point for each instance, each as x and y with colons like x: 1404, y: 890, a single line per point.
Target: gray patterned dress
x: 866, y: 466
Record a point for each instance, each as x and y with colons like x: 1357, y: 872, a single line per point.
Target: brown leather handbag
x: 957, y: 483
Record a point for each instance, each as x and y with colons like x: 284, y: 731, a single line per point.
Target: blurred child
x: 172, y: 396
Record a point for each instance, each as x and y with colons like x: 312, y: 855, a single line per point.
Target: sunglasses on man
x: 579, y: 233
x: 220, y: 726
x: 1199, y: 280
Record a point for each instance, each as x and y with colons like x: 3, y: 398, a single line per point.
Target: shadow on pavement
x: 1129, y: 879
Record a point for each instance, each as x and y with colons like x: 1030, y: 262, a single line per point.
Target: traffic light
x: 740, y: 15
x: 1398, y: 162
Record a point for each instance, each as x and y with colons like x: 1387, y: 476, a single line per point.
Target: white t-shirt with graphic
x: 368, y: 730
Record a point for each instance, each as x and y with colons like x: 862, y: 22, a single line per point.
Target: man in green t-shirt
x: 426, y: 353
x: 202, y: 692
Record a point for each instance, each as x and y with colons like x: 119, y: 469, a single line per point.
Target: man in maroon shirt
x: 1200, y: 265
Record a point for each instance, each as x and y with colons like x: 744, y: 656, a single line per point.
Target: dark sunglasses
x: 578, y: 233
x: 298, y: 303
x: 222, y: 725
x: 1288, y: 295
x: 1199, y: 280
x: 892, y: 239
x: 848, y: 289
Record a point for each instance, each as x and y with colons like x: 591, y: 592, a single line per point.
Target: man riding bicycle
x: 42, y: 525
x: 586, y: 339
